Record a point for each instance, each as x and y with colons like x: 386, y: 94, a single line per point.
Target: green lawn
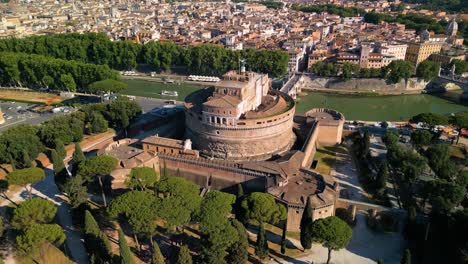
x: 327, y: 158
x: 153, y: 89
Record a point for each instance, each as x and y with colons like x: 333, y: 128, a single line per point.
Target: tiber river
x: 379, y: 108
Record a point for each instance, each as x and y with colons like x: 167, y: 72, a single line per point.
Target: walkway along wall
x: 215, y: 174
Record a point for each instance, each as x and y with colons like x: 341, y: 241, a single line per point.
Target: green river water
x: 379, y: 108
x: 354, y: 107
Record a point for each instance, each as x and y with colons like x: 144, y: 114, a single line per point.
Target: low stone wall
x: 363, y: 84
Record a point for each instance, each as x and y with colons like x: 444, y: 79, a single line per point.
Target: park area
x: 153, y: 89
x: 30, y: 97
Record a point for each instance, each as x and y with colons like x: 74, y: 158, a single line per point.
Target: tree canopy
x: 398, y: 70
x: 218, y: 233
x: 140, y: 209
x: 108, y: 85
x: 184, y: 256
x: 33, y: 211
x: 36, y: 235
x: 427, y: 70
x: 101, y: 165
x: 262, y: 207
x: 430, y: 119
x: 18, y: 141
x: 180, y: 199
x: 126, y: 256
x: 25, y: 177
x: 94, y: 54
x: 332, y: 232
x: 141, y: 178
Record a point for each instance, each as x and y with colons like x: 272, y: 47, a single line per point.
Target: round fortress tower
x: 240, y: 118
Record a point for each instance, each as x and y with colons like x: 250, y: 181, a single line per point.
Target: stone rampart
x: 246, y: 139
x: 216, y: 174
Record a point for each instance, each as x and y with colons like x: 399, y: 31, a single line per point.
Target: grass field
x: 327, y: 158
x: 153, y: 89
x: 30, y: 97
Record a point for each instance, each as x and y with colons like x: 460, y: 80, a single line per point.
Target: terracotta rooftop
x: 162, y: 141
x: 223, y: 101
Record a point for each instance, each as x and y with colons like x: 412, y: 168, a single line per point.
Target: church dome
x: 452, y: 28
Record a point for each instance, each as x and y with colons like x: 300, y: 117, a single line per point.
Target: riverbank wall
x: 364, y: 85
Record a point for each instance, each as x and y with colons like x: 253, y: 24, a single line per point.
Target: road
x: 47, y: 189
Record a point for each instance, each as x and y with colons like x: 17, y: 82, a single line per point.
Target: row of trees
x: 123, y: 55
x: 331, y: 9
x: 31, y: 70
x: 20, y: 145
x: 393, y: 73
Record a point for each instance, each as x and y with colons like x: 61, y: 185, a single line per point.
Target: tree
x: 97, y: 244
x: 121, y: 112
x: 184, y: 256
x: 99, y: 167
x: 97, y: 124
x: 238, y: 252
x: 218, y: 234
x: 332, y: 232
x: 26, y: 160
x: 438, y: 158
x: 67, y: 82
x: 140, y: 208
x: 18, y: 140
x: 180, y: 199
x: 398, y: 70
x: 446, y: 195
x: 77, y: 157
x: 108, y: 85
x: 421, y: 137
x: 60, y: 172
x: 157, y: 257
x: 33, y: 211
x: 428, y: 70
x: 141, y: 178
x: 262, y: 207
x: 391, y: 138
x: 76, y: 191
x: 40, y: 237
x: 261, y: 246
x: 126, y: 256
x: 430, y: 119
x: 306, y: 218
x: 2, y: 226
x: 381, y: 180
x: 406, y: 259
x: 461, y: 66
x: 283, y: 238
x: 25, y: 177
x: 60, y: 149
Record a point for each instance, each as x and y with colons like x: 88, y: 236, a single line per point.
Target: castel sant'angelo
x: 240, y: 131
x: 240, y: 118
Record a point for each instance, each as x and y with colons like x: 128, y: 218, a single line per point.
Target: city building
x: 418, y: 52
